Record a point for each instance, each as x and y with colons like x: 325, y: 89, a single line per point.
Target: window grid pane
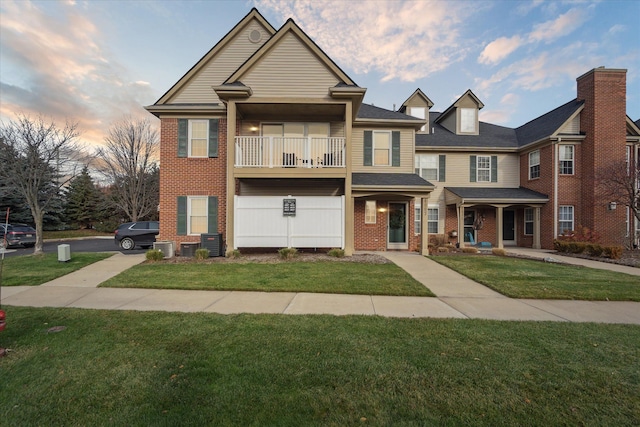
x: 427, y: 167
x: 417, y: 218
x: 534, y: 164
x: 483, y: 170
x: 432, y: 220
x: 370, y: 212
x: 528, y: 222
x: 198, y: 216
x: 198, y: 143
x: 565, y: 218
x: 381, y: 148
x: 566, y: 159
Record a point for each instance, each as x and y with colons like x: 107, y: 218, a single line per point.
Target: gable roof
x: 290, y: 26
x: 547, y: 124
x: 419, y: 93
x: 468, y: 93
x: 371, y: 112
x: 253, y: 14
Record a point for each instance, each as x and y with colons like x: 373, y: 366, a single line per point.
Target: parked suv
x: 17, y: 234
x: 140, y: 233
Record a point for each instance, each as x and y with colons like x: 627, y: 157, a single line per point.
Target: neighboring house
x: 268, y: 142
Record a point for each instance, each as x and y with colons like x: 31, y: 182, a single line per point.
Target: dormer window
x: 468, y: 120
x: 419, y: 112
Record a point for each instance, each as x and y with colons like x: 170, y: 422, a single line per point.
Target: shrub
x: 499, y: 252
x: 288, y: 253
x: 234, y: 253
x: 580, y: 234
x: 154, y: 255
x: 577, y: 247
x: 202, y: 253
x: 443, y: 249
x: 336, y: 252
x: 469, y: 250
x: 594, y: 249
x: 613, y: 252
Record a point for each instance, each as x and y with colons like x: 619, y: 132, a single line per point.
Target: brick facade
x: 186, y: 176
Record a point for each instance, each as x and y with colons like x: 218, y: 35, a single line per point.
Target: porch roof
x: 492, y: 195
x: 390, y: 182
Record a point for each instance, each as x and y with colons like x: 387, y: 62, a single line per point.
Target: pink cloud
x: 499, y: 49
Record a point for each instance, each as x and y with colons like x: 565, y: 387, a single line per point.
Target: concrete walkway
x: 457, y: 297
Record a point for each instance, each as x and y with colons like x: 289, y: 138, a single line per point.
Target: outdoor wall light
x: 612, y: 206
x: 382, y: 210
x: 253, y: 128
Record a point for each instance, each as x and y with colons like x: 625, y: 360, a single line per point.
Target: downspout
x: 556, y: 165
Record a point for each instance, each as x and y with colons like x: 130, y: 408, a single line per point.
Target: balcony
x: 289, y: 152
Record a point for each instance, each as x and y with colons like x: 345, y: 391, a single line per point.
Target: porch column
x: 231, y: 181
x: 499, y: 218
x: 536, y: 228
x: 424, y: 229
x: 349, y: 226
x: 460, y: 210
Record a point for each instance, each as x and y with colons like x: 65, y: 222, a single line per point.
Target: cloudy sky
x: 94, y: 61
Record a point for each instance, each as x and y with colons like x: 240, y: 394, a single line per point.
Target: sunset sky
x: 94, y: 61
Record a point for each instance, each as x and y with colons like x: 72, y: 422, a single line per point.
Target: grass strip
x: 32, y: 270
x: 328, y: 277
x: 525, y: 278
x: 145, y: 368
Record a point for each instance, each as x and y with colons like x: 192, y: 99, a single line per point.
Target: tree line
x: 49, y: 180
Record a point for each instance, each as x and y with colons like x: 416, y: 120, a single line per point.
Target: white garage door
x: 260, y: 222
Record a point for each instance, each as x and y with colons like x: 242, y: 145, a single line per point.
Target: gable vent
x: 255, y: 36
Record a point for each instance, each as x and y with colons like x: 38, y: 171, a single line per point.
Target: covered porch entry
x: 493, y: 214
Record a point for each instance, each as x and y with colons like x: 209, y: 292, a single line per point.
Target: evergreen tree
x: 83, y: 200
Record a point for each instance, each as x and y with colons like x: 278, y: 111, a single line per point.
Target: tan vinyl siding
x: 235, y: 53
x: 337, y: 130
x: 573, y: 127
x: 290, y: 69
x: 407, y: 150
x: 449, y: 122
x: 293, y: 187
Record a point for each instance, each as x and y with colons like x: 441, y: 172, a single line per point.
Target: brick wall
x: 189, y: 177
x: 373, y: 237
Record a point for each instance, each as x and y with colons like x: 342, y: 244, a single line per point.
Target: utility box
x: 213, y: 242
x: 188, y: 249
x: 64, y: 253
x: 166, y: 247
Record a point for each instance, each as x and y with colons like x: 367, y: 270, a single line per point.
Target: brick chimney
x: 603, y: 122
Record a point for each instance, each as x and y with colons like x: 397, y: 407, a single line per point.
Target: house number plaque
x: 289, y: 207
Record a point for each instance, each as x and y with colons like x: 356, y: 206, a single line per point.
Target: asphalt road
x: 80, y: 245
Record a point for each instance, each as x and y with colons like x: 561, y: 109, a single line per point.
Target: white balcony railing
x: 285, y: 152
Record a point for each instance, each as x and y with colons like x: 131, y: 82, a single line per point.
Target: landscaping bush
x: 580, y: 234
x: 594, y: 249
x: 235, y: 253
x: 443, y: 249
x: 613, y: 252
x: 336, y: 252
x: 499, y: 252
x: 154, y: 255
x: 469, y: 250
x: 288, y: 253
x: 202, y: 253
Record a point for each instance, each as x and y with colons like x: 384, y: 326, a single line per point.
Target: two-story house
x: 267, y: 141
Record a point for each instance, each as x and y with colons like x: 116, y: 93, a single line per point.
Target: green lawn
x: 143, y: 368
x: 32, y: 270
x: 524, y: 278
x: 70, y: 234
x: 329, y: 277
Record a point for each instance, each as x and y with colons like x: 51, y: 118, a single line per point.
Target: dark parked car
x: 18, y: 235
x: 140, y: 233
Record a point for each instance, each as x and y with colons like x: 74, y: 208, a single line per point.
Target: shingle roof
x: 490, y: 193
x: 490, y: 136
x: 367, y: 111
x: 383, y: 179
x: 546, y: 124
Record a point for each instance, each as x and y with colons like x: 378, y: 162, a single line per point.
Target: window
x: 381, y: 148
x: 418, y: 112
x: 198, y: 138
x: 427, y: 166
x: 534, y: 164
x: 565, y: 218
x: 566, y: 159
x: 197, y: 215
x: 528, y: 222
x: 483, y: 169
x: 468, y: 120
x: 417, y: 221
x: 432, y: 220
x: 370, y: 212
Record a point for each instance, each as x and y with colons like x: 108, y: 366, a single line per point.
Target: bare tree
x: 128, y: 160
x: 620, y: 183
x: 37, y: 158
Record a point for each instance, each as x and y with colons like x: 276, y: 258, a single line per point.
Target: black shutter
x: 442, y: 159
x: 183, y: 130
x: 472, y: 168
x: 182, y: 215
x: 494, y: 168
x: 213, y: 215
x: 395, y: 148
x: 368, y: 148
x: 213, y: 137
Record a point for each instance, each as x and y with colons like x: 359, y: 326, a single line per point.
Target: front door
x: 397, y: 226
x: 508, y: 227
x: 469, y: 229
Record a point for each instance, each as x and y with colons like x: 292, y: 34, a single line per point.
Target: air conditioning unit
x: 64, y: 253
x: 166, y: 247
x: 213, y: 242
